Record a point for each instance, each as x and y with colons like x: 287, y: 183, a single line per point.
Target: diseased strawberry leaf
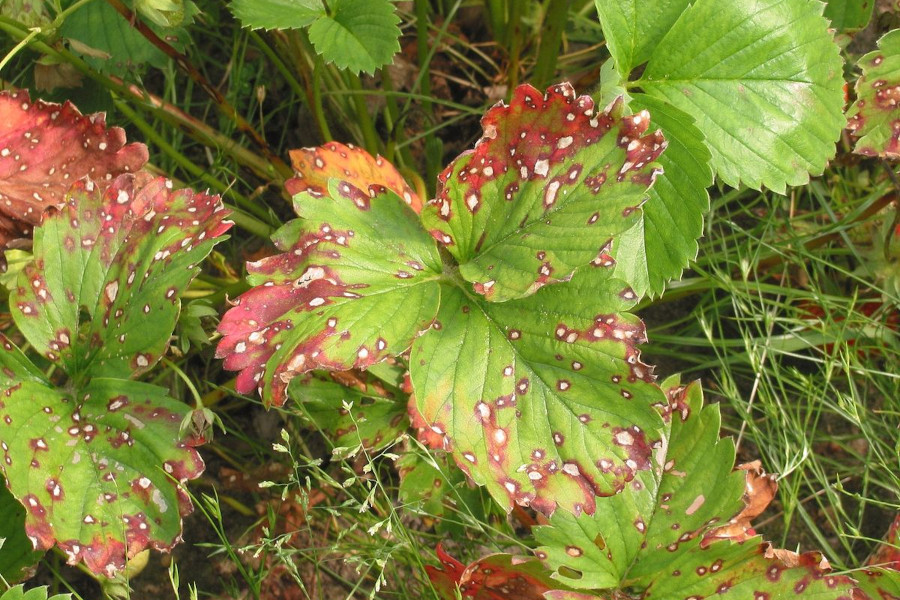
x: 103, y: 293
x: 44, y: 149
x: 874, y: 119
x: 493, y: 577
x: 545, y: 188
x: 544, y: 400
x: 356, y: 284
x: 880, y: 580
x: 762, y: 79
x: 97, y: 463
x: 432, y: 486
x: 374, y: 418
x: 660, y: 245
x: 350, y: 164
x: 98, y: 469
x: 658, y: 537
x: 17, y: 555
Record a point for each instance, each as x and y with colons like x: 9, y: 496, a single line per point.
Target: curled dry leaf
x: 44, y: 149
x: 493, y: 577
x: 759, y: 491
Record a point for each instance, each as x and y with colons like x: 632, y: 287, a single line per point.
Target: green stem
x: 198, y: 401
x: 24, y: 42
x: 370, y: 136
x: 555, y: 15
x: 240, y: 217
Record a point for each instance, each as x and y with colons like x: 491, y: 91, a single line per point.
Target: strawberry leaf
x: 632, y: 30
x: 874, y: 119
x: 544, y: 400
x: 372, y: 420
x: 763, y: 80
x: 662, y: 243
x: 17, y: 555
x: 545, y: 188
x: 351, y: 165
x: 656, y: 537
x: 44, y: 149
x: 103, y: 293
x: 39, y: 593
x: 849, y: 15
x: 355, y: 285
x: 276, y: 14
x: 880, y: 580
x: 358, y: 35
x: 97, y: 468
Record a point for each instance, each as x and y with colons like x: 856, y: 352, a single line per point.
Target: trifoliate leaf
x: 103, y: 293
x: 762, y: 79
x: 874, y: 119
x: 849, y: 15
x: 44, y: 149
x: 358, y: 35
x: 277, y: 14
x: 99, y: 467
x: 543, y: 400
x: 315, y: 166
x: 633, y: 28
x: 659, y: 537
x: 660, y: 245
x: 17, y: 555
x: 357, y: 283
x: 547, y: 186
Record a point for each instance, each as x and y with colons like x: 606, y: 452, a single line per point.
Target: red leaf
x: 315, y: 166
x: 44, y: 149
x: 493, y: 577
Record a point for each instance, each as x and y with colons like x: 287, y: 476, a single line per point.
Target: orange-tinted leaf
x: 352, y: 165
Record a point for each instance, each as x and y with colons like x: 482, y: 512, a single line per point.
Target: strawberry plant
x: 466, y: 339
x: 95, y: 457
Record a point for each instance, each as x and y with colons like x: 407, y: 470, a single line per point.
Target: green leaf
x: 98, y: 468
x: 762, y: 79
x: 103, y: 293
x: 17, y: 554
x: 358, y: 35
x: 544, y: 190
x: 874, y: 119
x: 849, y: 15
x: 39, y: 593
x: 109, y: 43
x: 432, y: 486
x: 374, y: 419
x: 659, y: 247
x: 656, y: 537
x: 543, y: 400
x: 357, y: 283
x: 276, y: 14
x: 633, y: 28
